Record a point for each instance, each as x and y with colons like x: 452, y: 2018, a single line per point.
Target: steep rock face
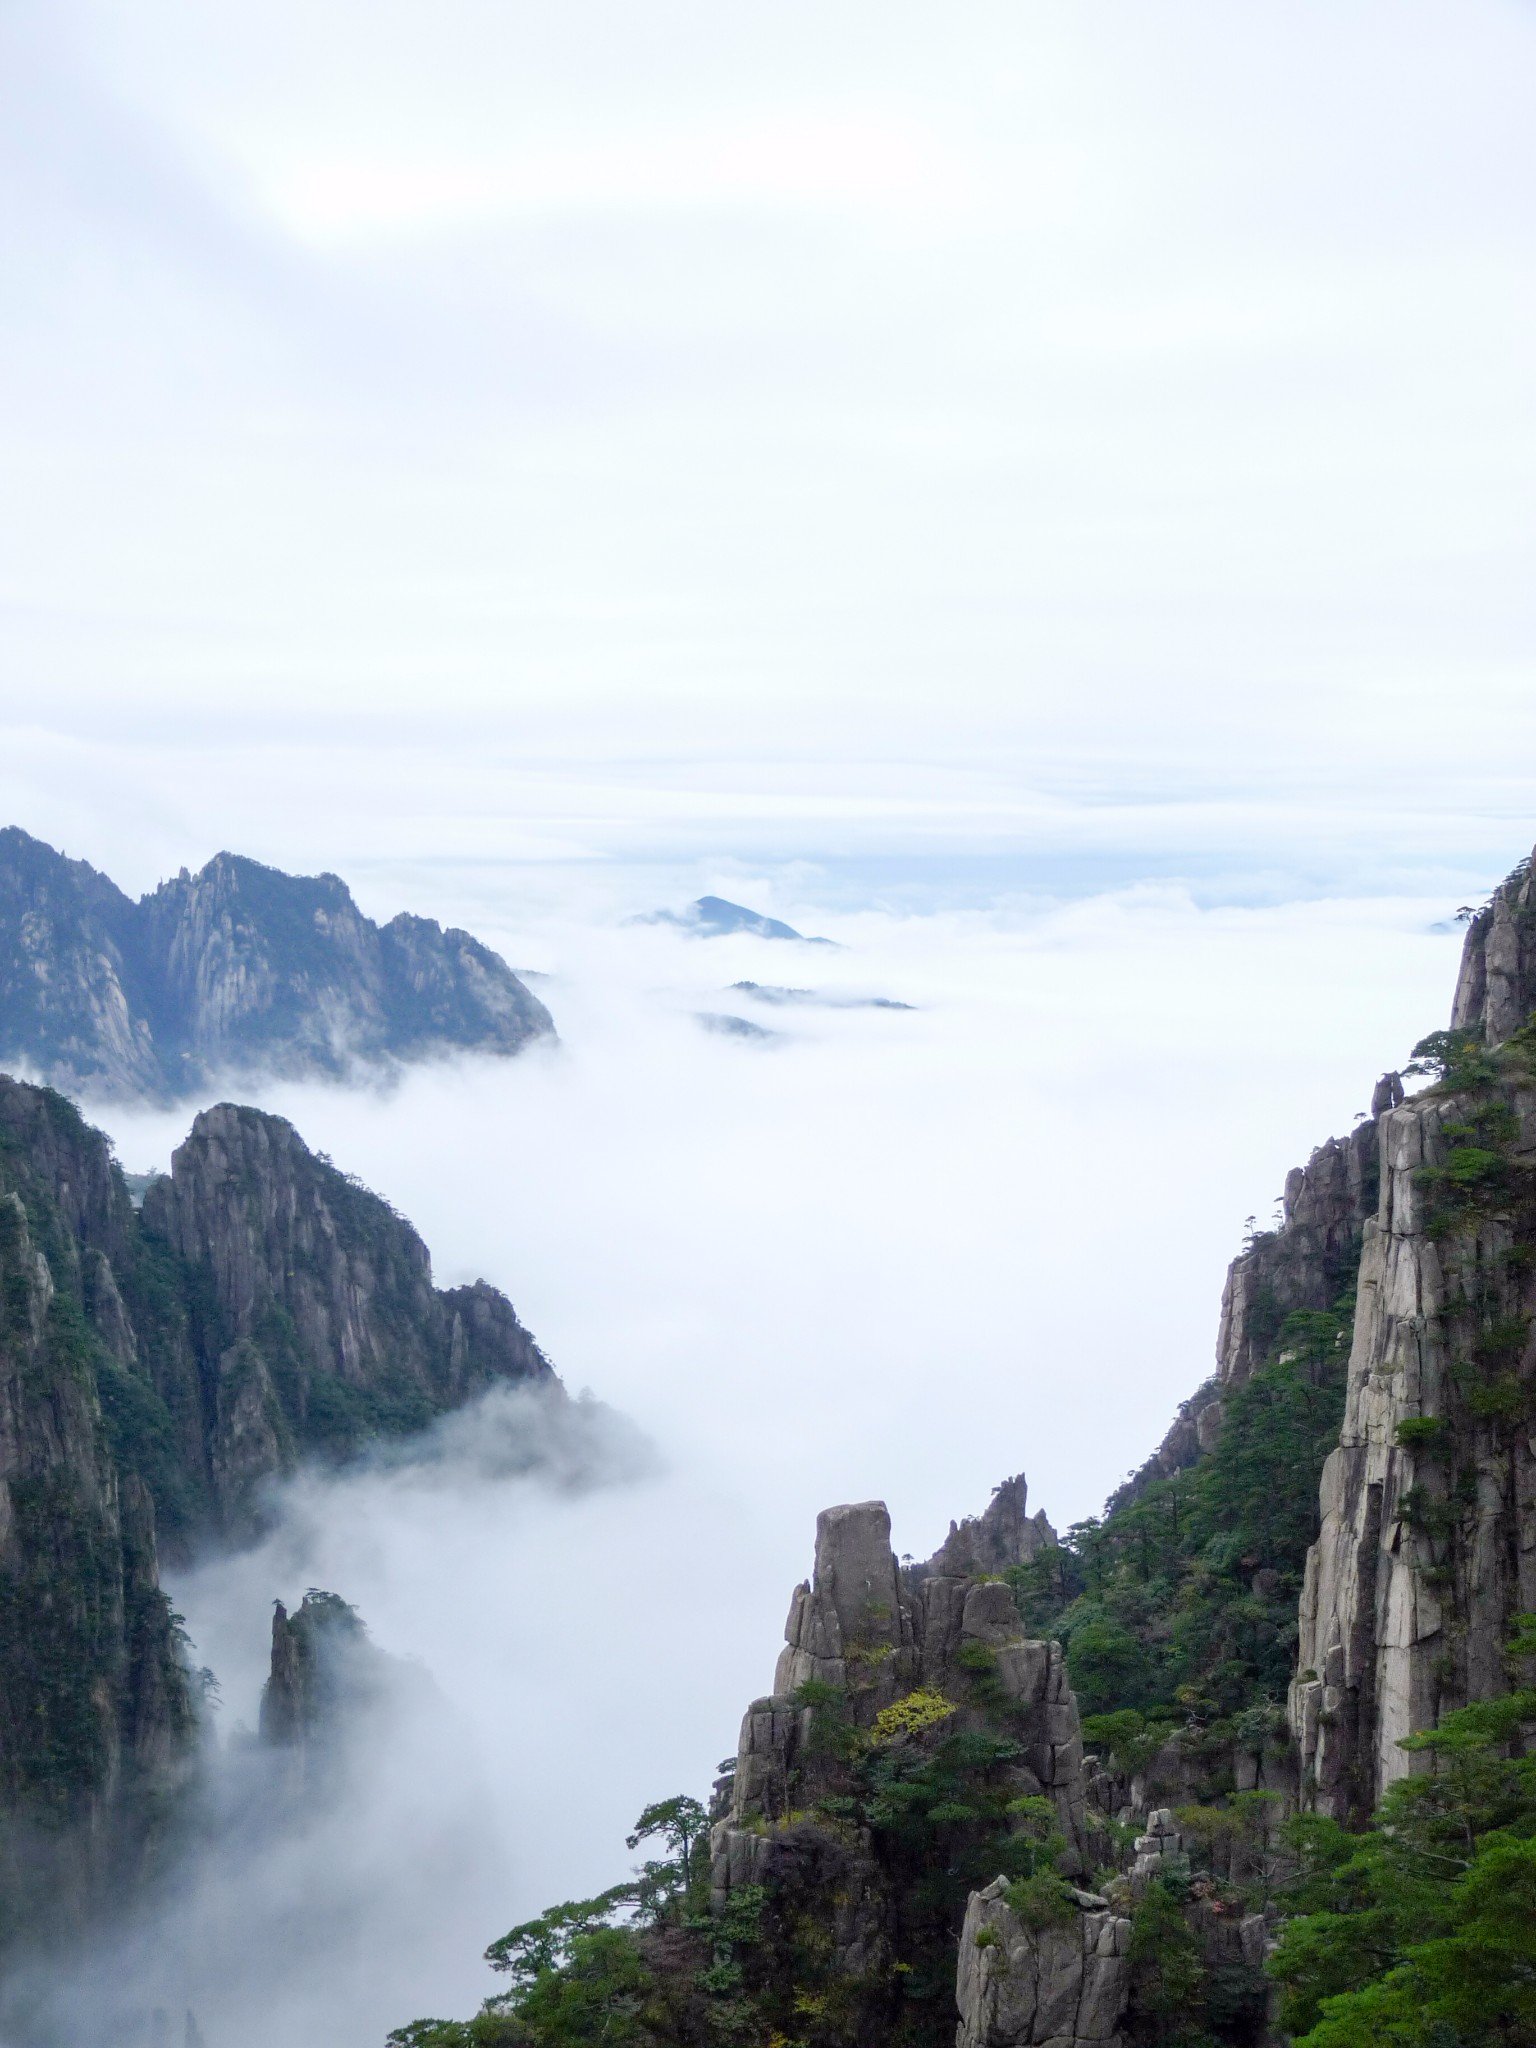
x: 1312, y: 1258
x: 260, y: 1305
x: 155, y: 1367
x: 1065, y: 1984
x: 236, y: 968
x: 1004, y: 1534
x: 73, y: 999
x: 1427, y: 1548
x: 95, y: 1709
x: 320, y: 1324
x: 1496, y: 988
x: 325, y: 1673
x: 854, y: 1628
x: 1308, y: 1262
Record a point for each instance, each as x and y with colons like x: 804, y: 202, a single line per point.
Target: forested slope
x: 1273, y: 1784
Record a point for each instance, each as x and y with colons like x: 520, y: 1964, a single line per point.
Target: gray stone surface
x: 1005, y: 1533
x: 1400, y: 1620
x: 1060, y: 1986
x: 236, y: 969
x: 311, y: 1278
x: 1496, y: 987
x: 1376, y: 1660
x: 874, y: 1633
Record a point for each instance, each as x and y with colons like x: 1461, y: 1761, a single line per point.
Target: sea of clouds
x: 1039, y: 497
x: 882, y: 1253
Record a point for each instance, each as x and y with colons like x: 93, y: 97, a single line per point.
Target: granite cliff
x: 1427, y: 1550
x: 236, y: 969
x: 157, y: 1369
x: 1249, y: 1758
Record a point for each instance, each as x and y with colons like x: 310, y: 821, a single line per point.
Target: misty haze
x: 767, y: 1027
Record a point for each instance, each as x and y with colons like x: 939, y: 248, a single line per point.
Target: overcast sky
x: 1041, y: 490
x: 1062, y: 431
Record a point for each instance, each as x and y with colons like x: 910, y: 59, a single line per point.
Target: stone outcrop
x: 236, y: 969
x: 854, y: 1627
x: 324, y: 1674
x: 1004, y: 1534
x: 1064, y: 1985
x: 1159, y: 1846
x: 1311, y: 1259
x: 861, y: 1639
x: 1427, y: 1548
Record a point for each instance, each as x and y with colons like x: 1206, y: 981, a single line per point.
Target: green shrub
x: 1427, y: 1433
x: 1041, y: 1901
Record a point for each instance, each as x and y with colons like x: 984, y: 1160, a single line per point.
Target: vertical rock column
x: 1065, y: 1984
x: 1427, y: 1548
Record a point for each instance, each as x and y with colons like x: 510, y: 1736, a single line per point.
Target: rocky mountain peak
x: 236, y: 968
x: 158, y: 1368
x: 1003, y: 1534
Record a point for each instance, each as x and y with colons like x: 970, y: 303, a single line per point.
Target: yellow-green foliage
x: 919, y: 1710
x: 868, y: 1653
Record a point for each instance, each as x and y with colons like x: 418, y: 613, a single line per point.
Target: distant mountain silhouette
x: 237, y: 968
x: 726, y: 1026
x: 821, y: 999
x: 713, y: 917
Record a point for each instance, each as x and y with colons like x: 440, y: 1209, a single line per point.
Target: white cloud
x: 1065, y: 465
x: 895, y: 1254
x: 823, y: 165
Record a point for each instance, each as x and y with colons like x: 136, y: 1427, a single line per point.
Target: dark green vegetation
x: 648, y: 1963
x: 1415, y: 1926
x: 95, y: 1696
x: 576, y: 1976
x: 1421, y: 1932
x: 157, y: 1369
x: 1177, y: 1607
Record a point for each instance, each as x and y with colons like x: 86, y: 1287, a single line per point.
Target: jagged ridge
x: 156, y: 1370
x: 238, y: 968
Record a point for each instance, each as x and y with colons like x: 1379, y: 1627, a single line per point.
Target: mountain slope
x: 156, y: 1369
x: 237, y: 968
x: 716, y: 917
x: 1299, y: 1654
